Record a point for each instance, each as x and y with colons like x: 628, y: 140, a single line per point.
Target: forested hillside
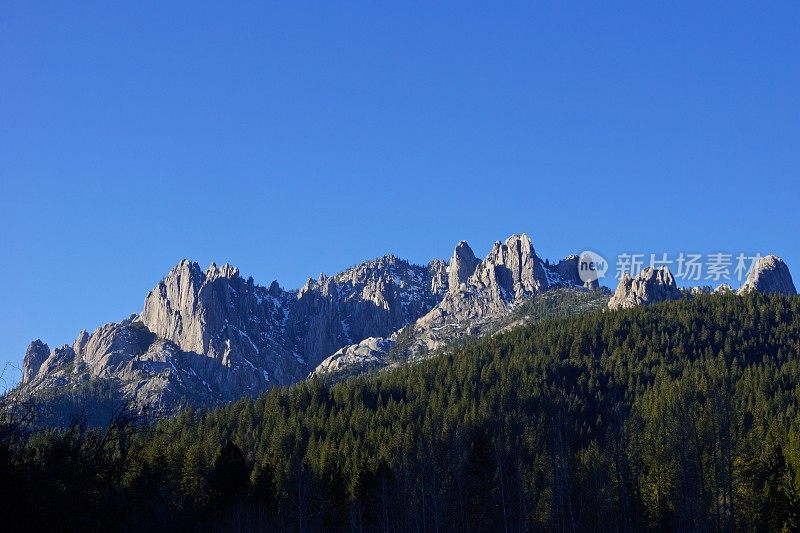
x: 677, y: 416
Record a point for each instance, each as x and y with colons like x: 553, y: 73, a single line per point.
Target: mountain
x: 204, y: 338
x: 480, y: 299
x: 209, y: 337
x: 769, y: 275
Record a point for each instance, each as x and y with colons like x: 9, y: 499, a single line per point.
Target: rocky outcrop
x: 696, y: 291
x: 723, y: 289
x: 511, y: 271
x: 205, y: 337
x: 462, y: 265
x: 476, y: 303
x: 35, y: 356
x: 216, y: 312
x: 237, y: 325
x: 373, y: 299
x: 153, y: 375
x: 769, y: 275
x: 40, y: 361
x: 567, y: 269
x: 650, y: 286
x: 437, y: 276
x: 361, y: 357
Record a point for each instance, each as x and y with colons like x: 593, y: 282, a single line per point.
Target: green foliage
x: 682, y: 415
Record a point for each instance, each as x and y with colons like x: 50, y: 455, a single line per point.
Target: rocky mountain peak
x: 225, y: 271
x: 186, y: 276
x: 511, y: 270
x: 80, y: 341
x: 36, y: 354
x: 205, y: 337
x: 509, y: 273
x: 186, y: 266
x: 462, y: 265
x: 769, y: 275
x: 649, y: 286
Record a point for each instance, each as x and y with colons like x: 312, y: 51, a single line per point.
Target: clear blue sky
x: 295, y: 138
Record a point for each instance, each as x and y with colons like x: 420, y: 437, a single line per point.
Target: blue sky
x: 295, y: 138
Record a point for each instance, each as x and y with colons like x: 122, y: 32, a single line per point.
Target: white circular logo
x: 591, y: 266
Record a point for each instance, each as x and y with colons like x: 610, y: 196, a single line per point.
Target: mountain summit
x: 771, y: 275
x: 205, y: 337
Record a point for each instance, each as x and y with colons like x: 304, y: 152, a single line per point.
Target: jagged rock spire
x: 37, y: 353
x: 650, y: 286
x: 511, y: 270
x: 462, y: 265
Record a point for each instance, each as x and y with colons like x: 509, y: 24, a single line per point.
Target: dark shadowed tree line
x: 679, y: 416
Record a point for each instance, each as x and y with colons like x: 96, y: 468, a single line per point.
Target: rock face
x: 37, y: 353
x: 437, y: 272
x: 769, y: 275
x: 236, y: 328
x: 154, y: 374
x: 371, y: 300
x: 511, y: 270
x: 360, y: 357
x: 650, y: 286
x: 462, y: 265
x: 481, y: 295
x: 567, y: 268
x: 205, y: 337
